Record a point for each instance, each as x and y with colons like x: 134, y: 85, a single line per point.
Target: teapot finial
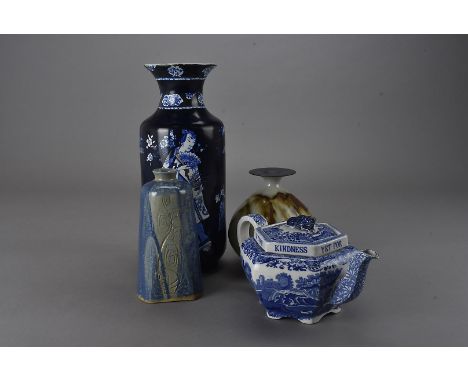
x: 302, y: 222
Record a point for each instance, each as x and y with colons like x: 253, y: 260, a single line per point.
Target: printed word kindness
x: 290, y: 248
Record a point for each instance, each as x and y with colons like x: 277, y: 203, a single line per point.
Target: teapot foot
x: 314, y: 320
x: 275, y: 315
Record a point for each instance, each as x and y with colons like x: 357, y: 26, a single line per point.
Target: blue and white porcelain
x: 301, y: 268
x: 183, y: 135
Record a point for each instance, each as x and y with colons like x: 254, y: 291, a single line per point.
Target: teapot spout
x: 349, y: 286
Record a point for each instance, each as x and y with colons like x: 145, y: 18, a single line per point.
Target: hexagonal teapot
x: 301, y: 268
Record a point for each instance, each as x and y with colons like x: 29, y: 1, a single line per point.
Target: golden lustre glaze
x: 276, y: 208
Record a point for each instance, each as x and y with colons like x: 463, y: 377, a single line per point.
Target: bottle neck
x: 272, y: 186
x: 164, y: 174
x: 181, y: 94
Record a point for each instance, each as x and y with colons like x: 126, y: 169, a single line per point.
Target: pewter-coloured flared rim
x: 272, y: 172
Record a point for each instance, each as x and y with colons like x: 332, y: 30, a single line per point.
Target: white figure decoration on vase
x: 186, y: 162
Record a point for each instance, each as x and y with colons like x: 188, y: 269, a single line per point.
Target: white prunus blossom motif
x: 150, y: 142
x: 175, y: 71
x: 200, y: 99
x: 167, y: 142
x: 169, y: 100
x: 149, y: 158
x: 151, y: 67
x: 164, y: 142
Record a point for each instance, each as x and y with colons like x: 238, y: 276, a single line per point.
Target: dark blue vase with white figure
x: 182, y: 134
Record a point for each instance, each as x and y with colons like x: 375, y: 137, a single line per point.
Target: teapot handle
x: 243, y: 226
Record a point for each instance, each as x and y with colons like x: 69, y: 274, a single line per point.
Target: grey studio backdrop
x: 376, y: 127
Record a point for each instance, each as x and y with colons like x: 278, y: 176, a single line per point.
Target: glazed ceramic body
x: 183, y: 135
x: 169, y: 264
x: 302, y: 287
x: 273, y: 202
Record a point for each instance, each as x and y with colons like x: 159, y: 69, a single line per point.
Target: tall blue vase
x: 182, y: 134
x: 169, y: 264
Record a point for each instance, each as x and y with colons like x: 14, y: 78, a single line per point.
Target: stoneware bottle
x: 182, y: 134
x: 169, y: 265
x: 273, y: 201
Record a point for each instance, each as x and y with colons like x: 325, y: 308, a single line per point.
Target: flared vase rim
x: 272, y: 172
x: 182, y: 63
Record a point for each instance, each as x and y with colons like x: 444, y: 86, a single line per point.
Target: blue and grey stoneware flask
x: 182, y: 134
x: 169, y: 264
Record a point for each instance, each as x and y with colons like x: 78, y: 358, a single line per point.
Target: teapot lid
x: 300, y: 235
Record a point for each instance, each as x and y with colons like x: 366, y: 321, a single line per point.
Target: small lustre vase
x: 273, y: 202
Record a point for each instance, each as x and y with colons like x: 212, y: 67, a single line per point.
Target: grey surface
x: 376, y: 128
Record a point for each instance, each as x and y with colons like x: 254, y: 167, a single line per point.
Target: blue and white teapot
x: 301, y: 268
